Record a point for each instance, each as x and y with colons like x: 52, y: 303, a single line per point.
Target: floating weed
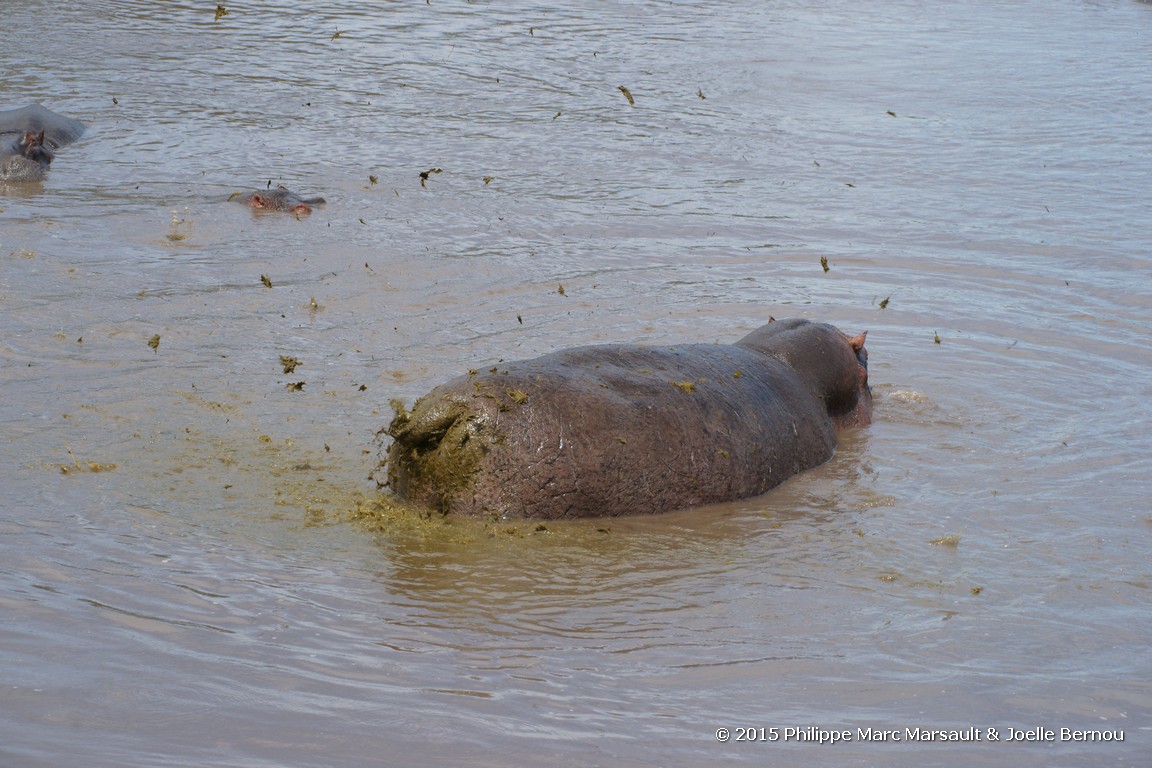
x: 221, y: 12
x: 266, y: 280
x: 84, y: 466
x: 684, y: 386
x: 425, y: 174
x: 884, y: 304
x: 824, y: 263
x: 154, y: 342
x: 627, y: 94
x: 289, y: 363
x: 951, y: 540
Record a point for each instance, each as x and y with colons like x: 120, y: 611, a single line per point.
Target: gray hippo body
x: 29, y: 138
x: 624, y: 429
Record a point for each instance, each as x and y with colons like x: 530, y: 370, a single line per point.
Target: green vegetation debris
x: 84, y: 466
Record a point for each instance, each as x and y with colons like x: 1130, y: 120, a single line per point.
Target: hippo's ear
x: 258, y: 200
x: 857, y: 342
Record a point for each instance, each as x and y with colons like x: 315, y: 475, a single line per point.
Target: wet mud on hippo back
x: 29, y: 138
x: 625, y: 429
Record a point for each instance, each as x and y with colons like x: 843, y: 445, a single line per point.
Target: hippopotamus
x: 29, y: 138
x: 621, y: 429
x: 280, y: 199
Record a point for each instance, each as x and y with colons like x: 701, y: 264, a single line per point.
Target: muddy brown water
x: 181, y: 584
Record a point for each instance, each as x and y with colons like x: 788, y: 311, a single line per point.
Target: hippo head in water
x: 29, y: 137
x: 34, y: 146
x: 281, y: 199
x: 833, y: 365
x: 622, y: 429
x: 28, y: 159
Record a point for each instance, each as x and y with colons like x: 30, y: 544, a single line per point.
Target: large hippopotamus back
x: 624, y: 429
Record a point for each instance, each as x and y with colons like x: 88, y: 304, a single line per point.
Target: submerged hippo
x: 29, y: 138
x: 280, y: 199
x: 624, y: 429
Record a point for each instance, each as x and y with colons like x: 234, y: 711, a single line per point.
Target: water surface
x: 181, y: 584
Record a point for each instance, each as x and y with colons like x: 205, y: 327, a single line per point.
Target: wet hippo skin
x: 29, y: 138
x: 626, y: 429
x: 281, y: 199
